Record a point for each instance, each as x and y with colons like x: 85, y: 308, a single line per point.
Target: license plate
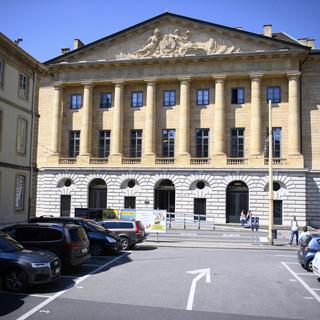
x: 85, y: 250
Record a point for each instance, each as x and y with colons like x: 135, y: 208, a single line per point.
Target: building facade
x: 173, y: 114
x: 19, y: 84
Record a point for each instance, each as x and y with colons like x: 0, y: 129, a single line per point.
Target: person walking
x: 242, y: 218
x: 294, y: 230
x: 303, y: 235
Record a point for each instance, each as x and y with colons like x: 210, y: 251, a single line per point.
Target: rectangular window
x: 276, y: 143
x: 277, y: 212
x: 1, y: 72
x: 104, y: 143
x: 76, y: 101
x: 21, y: 142
x: 74, y: 143
x: 136, y: 99
x: 169, y: 98
x: 202, y: 97
x: 274, y: 94
x: 168, y: 137
x: 130, y: 202
x: 23, y: 87
x: 237, y: 95
x: 202, y: 143
x: 65, y: 205
x: 135, y: 143
x: 105, y: 100
x: 237, y: 142
x: 20, y: 191
x: 199, y: 209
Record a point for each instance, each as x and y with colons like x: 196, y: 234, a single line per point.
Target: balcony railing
x: 237, y: 161
x: 98, y: 160
x: 276, y: 161
x: 67, y: 160
x: 199, y: 161
x: 131, y: 160
x: 165, y: 161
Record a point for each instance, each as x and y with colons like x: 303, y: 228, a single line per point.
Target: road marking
x: 308, y: 298
x: 263, y: 239
x: 293, y: 280
x: 287, y: 262
x: 303, y: 283
x: 58, y: 294
x: 305, y: 274
x: 202, y: 273
x: 315, y: 289
x: 284, y: 255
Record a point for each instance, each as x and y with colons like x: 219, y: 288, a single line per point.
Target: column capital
x: 293, y: 75
x: 57, y: 85
x: 256, y: 76
x: 150, y: 81
x: 118, y: 83
x: 184, y: 80
x: 219, y: 77
x: 87, y: 84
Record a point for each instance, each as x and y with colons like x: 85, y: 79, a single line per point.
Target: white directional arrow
x: 201, y: 273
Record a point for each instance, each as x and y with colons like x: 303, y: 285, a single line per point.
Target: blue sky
x: 46, y: 26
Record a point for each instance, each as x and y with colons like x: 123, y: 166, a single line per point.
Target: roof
x: 284, y: 37
x: 20, y: 53
x: 283, y: 40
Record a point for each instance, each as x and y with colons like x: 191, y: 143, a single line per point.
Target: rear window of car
x: 77, y: 234
x: 126, y: 225
x: 314, y: 244
x: 110, y: 225
x: 38, y: 234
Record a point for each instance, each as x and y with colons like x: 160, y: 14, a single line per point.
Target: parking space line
x: 287, y: 262
x: 306, y: 274
x: 284, y: 255
x: 59, y: 293
x: 316, y: 289
x: 302, y: 282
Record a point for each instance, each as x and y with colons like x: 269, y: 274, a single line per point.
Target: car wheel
x: 125, y: 243
x: 309, y: 265
x: 96, y: 249
x: 15, y: 280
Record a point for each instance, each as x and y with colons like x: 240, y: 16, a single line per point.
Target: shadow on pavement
x: 10, y: 303
x: 145, y: 248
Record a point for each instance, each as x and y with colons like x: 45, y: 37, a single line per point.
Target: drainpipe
x: 34, y: 79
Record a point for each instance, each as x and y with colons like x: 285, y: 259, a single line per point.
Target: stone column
x: 86, y: 113
x: 149, y: 131
x: 293, y: 115
x: 219, y: 118
x: 56, y: 121
x: 183, y: 149
x: 117, y: 125
x: 255, y: 116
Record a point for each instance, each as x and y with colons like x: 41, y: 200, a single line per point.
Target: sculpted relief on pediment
x: 178, y: 45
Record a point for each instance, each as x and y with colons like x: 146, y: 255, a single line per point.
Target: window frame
x: 135, y: 143
x: 236, y: 97
x: 273, y: 99
x: 22, y: 195
x: 75, y: 151
x: 238, y: 151
x: 108, y: 103
x: 77, y: 105
x: 21, y: 136
x: 202, y: 149
x: 276, y: 145
x: 1, y: 72
x: 202, y: 102
x: 23, y: 86
x: 172, y: 101
x: 170, y: 152
x: 138, y: 101
x: 104, y: 143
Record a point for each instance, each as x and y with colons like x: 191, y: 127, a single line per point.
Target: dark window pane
x: 136, y: 99
x: 202, y: 97
x: 104, y: 143
x: 168, y: 138
x: 136, y: 143
x: 105, y: 100
x: 76, y: 101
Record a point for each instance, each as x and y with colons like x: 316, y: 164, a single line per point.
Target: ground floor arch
x: 237, y: 199
x: 165, y: 196
x: 98, y: 194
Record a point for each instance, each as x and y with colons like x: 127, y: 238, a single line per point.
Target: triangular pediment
x: 169, y: 35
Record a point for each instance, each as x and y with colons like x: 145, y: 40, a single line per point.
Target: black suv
x: 101, y: 240
x: 69, y: 242
x: 20, y: 267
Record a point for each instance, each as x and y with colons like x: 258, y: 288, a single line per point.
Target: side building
x: 172, y: 113
x: 19, y: 85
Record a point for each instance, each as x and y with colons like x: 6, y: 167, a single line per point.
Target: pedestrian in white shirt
x: 294, y: 230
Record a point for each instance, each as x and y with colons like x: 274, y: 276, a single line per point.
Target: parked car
x: 308, y: 248
x: 20, y: 268
x: 316, y: 264
x: 69, y: 242
x: 101, y: 240
x: 130, y: 232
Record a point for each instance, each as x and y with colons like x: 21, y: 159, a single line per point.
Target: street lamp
x: 270, y: 235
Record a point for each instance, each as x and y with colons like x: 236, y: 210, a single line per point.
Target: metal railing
x: 199, y: 161
x: 67, y: 160
x: 196, y: 220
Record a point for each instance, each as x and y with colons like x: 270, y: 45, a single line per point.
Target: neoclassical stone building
x: 172, y: 113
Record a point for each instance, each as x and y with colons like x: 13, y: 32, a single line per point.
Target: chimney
x: 311, y: 43
x: 303, y: 41
x: 77, y: 43
x: 267, y: 30
x: 65, y: 50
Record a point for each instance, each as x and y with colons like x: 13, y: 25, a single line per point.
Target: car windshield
x: 95, y: 226
x: 8, y: 244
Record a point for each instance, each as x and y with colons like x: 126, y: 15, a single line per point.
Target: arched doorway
x: 237, y: 199
x: 98, y: 194
x: 164, y: 196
